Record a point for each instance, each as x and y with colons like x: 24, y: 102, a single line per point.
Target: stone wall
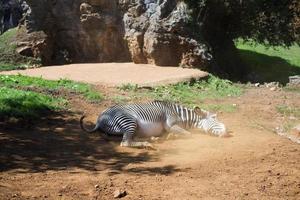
x: 79, y: 31
x: 144, y: 31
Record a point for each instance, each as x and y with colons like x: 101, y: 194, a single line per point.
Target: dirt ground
x: 56, y: 160
x: 115, y: 74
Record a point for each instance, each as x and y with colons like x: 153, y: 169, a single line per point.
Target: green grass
x: 118, y: 99
x: 7, y: 67
x: 270, y: 64
x: 289, y: 111
x: 193, y: 93
x: 290, y: 55
x: 228, y: 108
x: 20, y: 81
x: 189, y: 94
x: 9, y: 58
x: 26, y: 104
x: 128, y: 87
x: 24, y: 97
x: 295, y: 89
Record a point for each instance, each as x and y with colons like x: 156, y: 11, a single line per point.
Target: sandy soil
x: 56, y: 160
x: 115, y: 74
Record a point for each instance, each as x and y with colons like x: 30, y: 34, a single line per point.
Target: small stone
x: 234, y: 105
x: 154, y: 139
x: 292, y: 118
x: 96, y: 186
x: 279, y: 130
x: 296, y: 131
x: 111, y: 184
x: 257, y: 84
x: 294, y: 80
x: 119, y: 193
x: 273, y: 88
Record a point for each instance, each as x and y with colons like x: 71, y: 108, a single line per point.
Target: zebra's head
x: 209, y: 123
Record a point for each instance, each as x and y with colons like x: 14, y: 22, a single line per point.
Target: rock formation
x: 159, y: 32
x: 144, y: 31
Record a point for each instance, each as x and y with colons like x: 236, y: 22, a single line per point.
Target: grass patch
x: 118, y: 99
x: 9, y: 58
x: 228, y: 108
x: 189, y: 94
x: 192, y: 93
x: 20, y: 81
x: 7, y: 67
x: 290, y: 55
x: 26, y: 104
x: 24, y: 97
x: 128, y: 87
x: 270, y: 64
x: 288, y: 111
x: 292, y: 89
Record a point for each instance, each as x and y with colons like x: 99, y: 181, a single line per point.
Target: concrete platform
x: 115, y: 74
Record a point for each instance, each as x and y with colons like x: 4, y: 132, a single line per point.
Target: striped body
x: 154, y: 119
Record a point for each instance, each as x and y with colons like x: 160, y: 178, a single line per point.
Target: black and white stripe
x: 121, y: 119
x: 211, y: 125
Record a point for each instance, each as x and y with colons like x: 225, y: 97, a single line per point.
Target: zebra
x: 153, y: 119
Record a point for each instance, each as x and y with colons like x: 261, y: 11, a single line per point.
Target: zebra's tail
x: 85, y: 129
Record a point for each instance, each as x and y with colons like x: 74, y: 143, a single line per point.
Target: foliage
x: 26, y: 104
x: 264, y: 21
x: 20, y: 81
x: 9, y: 58
x: 220, y: 22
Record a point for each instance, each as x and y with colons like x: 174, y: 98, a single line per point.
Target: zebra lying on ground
x: 152, y: 120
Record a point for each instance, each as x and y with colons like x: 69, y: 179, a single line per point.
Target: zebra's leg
x: 177, y: 130
x: 128, y: 127
x: 127, y: 141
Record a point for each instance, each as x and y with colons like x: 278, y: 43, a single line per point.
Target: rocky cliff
x: 143, y: 31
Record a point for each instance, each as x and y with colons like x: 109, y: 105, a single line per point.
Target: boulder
x: 294, y: 80
x: 159, y: 32
x: 143, y: 31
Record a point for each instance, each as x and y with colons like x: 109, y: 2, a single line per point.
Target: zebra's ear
x: 200, y: 112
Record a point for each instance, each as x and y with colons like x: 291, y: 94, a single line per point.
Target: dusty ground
x: 56, y: 160
x: 115, y: 74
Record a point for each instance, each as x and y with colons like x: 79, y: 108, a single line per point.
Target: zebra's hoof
x: 148, y: 145
x: 154, y: 139
x: 124, y: 144
x: 225, y: 135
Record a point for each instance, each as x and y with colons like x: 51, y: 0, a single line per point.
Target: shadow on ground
x: 59, y: 144
x: 264, y: 68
